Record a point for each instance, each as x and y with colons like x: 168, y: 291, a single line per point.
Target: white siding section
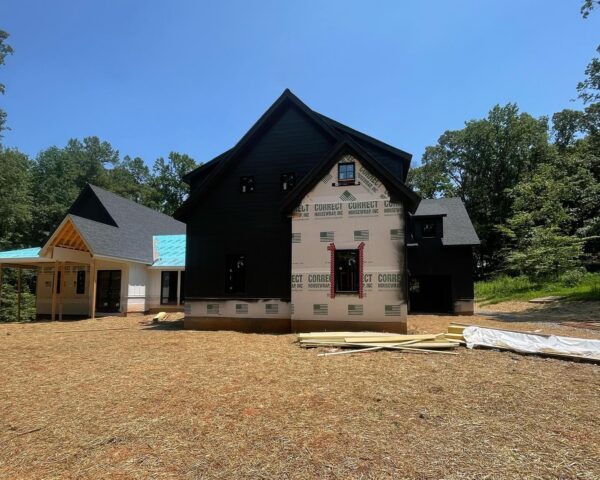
x: 137, y: 285
x: 153, y: 290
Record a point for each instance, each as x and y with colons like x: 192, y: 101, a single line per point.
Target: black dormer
x: 425, y: 228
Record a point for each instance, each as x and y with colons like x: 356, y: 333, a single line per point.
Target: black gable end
x: 226, y: 221
x: 200, y: 184
x: 88, y: 205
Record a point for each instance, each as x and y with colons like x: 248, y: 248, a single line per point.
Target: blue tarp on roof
x: 22, y: 253
x: 170, y: 250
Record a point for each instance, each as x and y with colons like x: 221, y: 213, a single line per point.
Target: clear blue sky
x: 193, y: 76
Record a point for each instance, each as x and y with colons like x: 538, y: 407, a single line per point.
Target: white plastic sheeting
x: 531, y: 343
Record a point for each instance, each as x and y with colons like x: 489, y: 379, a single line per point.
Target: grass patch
x: 504, y: 288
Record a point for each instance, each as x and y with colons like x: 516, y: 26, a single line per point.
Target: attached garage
x: 430, y: 294
x: 440, y: 246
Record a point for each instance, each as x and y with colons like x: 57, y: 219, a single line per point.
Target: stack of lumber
x: 370, y: 341
x: 455, y: 332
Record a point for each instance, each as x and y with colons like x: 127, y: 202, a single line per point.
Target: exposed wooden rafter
x: 69, y: 237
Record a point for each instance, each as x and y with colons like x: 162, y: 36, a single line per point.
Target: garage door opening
x: 430, y: 294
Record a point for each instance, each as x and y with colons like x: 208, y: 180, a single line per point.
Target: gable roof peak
x: 344, y: 147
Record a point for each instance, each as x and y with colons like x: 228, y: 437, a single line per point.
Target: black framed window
x: 247, y: 184
x: 168, y: 288
x: 80, y: 285
x: 346, y: 174
x: 288, y: 181
x: 346, y: 271
x: 428, y: 229
x: 235, y: 274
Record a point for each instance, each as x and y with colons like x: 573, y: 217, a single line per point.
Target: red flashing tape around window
x: 361, y: 262
x: 331, y: 248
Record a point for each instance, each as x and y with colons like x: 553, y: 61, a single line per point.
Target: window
x: 288, y: 180
x: 346, y: 173
x: 58, y: 282
x: 235, y: 274
x: 428, y: 229
x: 80, y: 288
x: 247, y: 184
x: 346, y: 271
x: 168, y: 288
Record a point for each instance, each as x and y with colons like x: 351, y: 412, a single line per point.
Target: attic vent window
x: 288, y: 181
x: 247, y: 184
x: 346, y: 174
x: 428, y: 229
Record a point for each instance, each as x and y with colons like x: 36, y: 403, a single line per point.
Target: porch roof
x: 32, y: 253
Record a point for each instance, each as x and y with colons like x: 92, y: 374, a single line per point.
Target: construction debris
x: 159, y: 317
x: 526, y: 342
x: 458, y: 334
x: 370, y: 341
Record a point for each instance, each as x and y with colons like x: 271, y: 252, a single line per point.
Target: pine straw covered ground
x: 119, y: 398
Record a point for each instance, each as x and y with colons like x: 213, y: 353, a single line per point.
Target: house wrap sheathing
x: 359, y: 216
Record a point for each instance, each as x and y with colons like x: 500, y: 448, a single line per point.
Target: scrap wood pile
x: 458, y: 334
x: 358, y: 342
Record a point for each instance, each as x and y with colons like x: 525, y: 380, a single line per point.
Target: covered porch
x: 71, y: 282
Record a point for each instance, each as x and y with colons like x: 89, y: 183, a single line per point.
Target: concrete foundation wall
x: 464, y: 307
x: 241, y: 309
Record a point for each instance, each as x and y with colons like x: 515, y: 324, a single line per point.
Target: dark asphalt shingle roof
x: 393, y: 159
x: 136, y: 225
x: 458, y: 229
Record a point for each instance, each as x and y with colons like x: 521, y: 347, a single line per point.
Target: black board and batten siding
x: 228, y: 222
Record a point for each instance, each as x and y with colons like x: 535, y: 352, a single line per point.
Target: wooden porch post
x: 54, y: 283
x: 1, y: 280
x: 62, y: 290
x: 93, y: 282
x: 18, y: 294
x: 178, y: 287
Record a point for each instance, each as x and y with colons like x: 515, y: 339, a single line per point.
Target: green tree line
x: 531, y: 185
x: 38, y: 191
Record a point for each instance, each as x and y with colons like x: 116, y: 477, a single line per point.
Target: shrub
x: 572, y: 277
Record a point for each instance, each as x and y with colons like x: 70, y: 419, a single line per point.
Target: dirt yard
x: 122, y: 398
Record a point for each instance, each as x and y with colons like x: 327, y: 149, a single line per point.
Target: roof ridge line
x: 120, y: 197
x: 287, y: 95
x: 367, y: 137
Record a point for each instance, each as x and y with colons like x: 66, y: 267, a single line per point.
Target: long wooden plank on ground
x: 419, y: 343
x: 454, y: 336
x: 415, y: 344
x: 410, y: 349
x: 346, y: 352
x: 390, y: 338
